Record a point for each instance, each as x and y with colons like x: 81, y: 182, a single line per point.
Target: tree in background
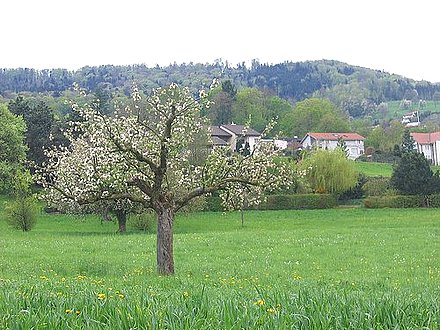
x: 329, y: 171
x: 12, y: 147
x: 408, y: 143
x: 143, y: 154
x: 314, y: 115
x: 39, y: 120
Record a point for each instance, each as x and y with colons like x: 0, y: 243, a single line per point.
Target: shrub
x: 378, y: 186
x: 297, y: 202
x: 213, y: 203
x: 22, y: 213
x: 143, y: 221
x: 399, y: 201
x: 283, y: 202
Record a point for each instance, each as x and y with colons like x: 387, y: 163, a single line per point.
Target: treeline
x: 358, y: 91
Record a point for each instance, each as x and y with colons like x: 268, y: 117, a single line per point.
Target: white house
x: 353, y: 142
x: 429, y: 145
x: 230, y: 134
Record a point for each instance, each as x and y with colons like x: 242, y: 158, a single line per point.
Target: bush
x: 283, y: 202
x: 144, y: 221
x: 213, y: 203
x: 378, y: 186
x: 22, y: 213
x: 399, y: 201
x: 297, y: 202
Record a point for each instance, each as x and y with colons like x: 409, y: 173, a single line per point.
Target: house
x: 224, y: 135
x: 353, y: 142
x: 429, y: 145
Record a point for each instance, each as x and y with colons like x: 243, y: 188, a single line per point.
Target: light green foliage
x: 314, y: 115
x: 250, y: 103
x: 332, y: 269
x: 12, y: 148
x: 22, y: 212
x: 329, y: 171
x: 384, y: 139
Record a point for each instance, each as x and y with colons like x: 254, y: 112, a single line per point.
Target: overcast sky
x: 399, y: 37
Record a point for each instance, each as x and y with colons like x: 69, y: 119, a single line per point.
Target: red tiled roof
x: 336, y: 136
x: 426, y: 138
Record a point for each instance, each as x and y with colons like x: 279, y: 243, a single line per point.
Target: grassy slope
x: 314, y: 269
x: 374, y: 169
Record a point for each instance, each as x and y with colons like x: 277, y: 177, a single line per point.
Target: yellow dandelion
x: 68, y: 311
x: 77, y: 312
x: 101, y: 296
x: 271, y: 310
x: 259, y: 302
x: 185, y: 294
x: 121, y: 296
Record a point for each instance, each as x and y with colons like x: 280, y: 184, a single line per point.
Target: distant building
x: 230, y: 134
x: 411, y: 119
x: 353, y: 142
x: 429, y: 145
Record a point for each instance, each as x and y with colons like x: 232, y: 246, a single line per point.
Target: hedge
x: 402, y: 201
x: 283, y: 202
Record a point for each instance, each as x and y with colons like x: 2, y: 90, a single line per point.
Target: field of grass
x: 320, y: 269
x: 396, y: 112
x: 374, y: 169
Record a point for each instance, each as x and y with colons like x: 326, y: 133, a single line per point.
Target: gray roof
x: 241, y: 130
x: 218, y: 142
x: 217, y: 131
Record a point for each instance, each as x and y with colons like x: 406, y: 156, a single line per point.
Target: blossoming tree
x: 142, y: 155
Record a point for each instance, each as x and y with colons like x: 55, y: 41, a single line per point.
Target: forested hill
x: 355, y: 89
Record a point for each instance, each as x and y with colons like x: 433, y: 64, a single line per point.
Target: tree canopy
x: 12, y: 147
x: 143, y: 154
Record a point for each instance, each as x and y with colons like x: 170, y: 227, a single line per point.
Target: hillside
x: 359, y: 91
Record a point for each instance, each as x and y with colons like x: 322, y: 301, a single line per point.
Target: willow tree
x: 329, y: 171
x: 143, y: 154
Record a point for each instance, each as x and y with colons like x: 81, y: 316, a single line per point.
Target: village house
x: 429, y: 145
x: 354, y: 142
x: 230, y: 134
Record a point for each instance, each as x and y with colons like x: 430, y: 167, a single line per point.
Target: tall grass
x: 321, y: 269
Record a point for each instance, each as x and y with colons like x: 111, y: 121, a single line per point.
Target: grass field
x: 321, y: 269
x: 374, y: 169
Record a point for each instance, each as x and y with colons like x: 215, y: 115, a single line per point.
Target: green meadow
x: 312, y: 269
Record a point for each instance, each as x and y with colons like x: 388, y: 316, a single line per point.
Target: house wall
x: 355, y: 148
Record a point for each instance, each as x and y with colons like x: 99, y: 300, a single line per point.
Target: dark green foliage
x: 357, y: 192
x: 413, y: 175
x: 39, y: 121
x: 408, y: 143
x: 284, y: 202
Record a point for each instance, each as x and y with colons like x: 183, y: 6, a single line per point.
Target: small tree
x: 329, y: 171
x: 143, y: 154
x: 21, y: 213
x: 413, y: 175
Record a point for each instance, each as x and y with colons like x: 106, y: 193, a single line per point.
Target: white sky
x: 399, y: 37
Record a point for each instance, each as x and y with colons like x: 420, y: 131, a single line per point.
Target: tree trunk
x: 165, y: 260
x: 122, y: 220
